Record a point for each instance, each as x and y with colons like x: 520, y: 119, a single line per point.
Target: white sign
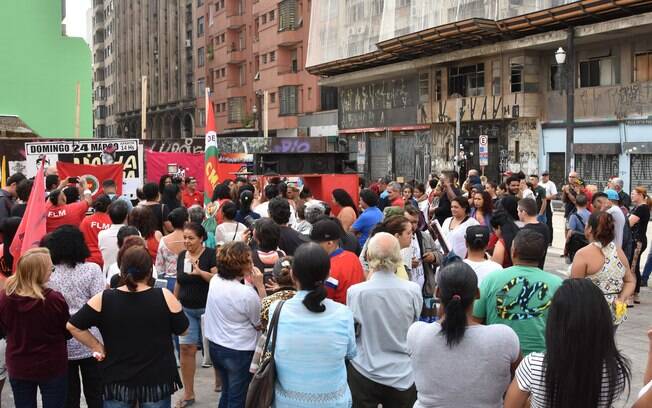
x: 484, y: 150
x: 107, y: 151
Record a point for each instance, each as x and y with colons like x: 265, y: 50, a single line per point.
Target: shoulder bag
x: 261, y: 388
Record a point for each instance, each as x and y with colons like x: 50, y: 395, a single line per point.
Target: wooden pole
x: 143, y: 108
x: 77, y: 103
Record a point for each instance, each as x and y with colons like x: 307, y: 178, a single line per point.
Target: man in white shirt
x: 477, y: 240
x: 107, y: 240
x: 271, y: 191
x: 383, y: 309
x: 551, y: 194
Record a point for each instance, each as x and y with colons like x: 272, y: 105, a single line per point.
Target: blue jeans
x: 53, y: 392
x: 542, y: 219
x: 647, y: 269
x: 233, y: 366
x: 164, y: 403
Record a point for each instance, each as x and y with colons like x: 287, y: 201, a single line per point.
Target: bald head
x: 384, y: 252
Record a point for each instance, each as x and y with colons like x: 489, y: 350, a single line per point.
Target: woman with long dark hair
x: 171, y: 197
x: 310, y: 322
x: 454, y: 227
x: 482, y: 208
x: 604, y: 263
x: 505, y: 230
x: 244, y: 207
x: 348, y: 210
x: 581, y: 368
x: 483, y: 356
x: 143, y: 218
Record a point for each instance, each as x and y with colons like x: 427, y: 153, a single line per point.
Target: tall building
x: 45, y: 77
x: 136, y: 39
x: 425, y: 81
x: 245, y: 48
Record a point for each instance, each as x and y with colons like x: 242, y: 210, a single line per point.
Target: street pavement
x: 631, y: 336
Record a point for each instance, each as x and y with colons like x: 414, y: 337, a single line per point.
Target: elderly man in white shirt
x: 383, y: 309
x: 107, y: 240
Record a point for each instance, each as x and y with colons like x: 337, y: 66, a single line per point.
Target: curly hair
x: 67, y: 246
x: 233, y: 259
x: 143, y: 218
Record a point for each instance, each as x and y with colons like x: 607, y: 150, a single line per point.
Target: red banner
x: 92, y: 176
x: 32, y: 227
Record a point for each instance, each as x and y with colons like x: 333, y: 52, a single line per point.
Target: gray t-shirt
x: 619, y: 224
x: 477, y: 371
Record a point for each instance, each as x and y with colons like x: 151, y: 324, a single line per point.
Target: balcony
x: 236, y: 56
x: 289, y: 38
x: 236, y: 21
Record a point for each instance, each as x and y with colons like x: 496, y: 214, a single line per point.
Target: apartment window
x: 223, y: 72
x: 272, y: 56
x: 200, y: 3
x: 328, y: 97
x: 496, y: 67
x: 264, y: 59
x: 466, y: 80
x: 272, y: 97
x: 288, y: 96
x: 271, y: 15
x: 200, y: 57
x: 200, y: 26
x: 597, y: 72
x: 201, y: 86
x: 202, y: 117
x: 643, y: 67
x: 287, y: 12
x: 219, y: 5
x: 218, y: 107
x: 242, y: 41
x: 424, y: 85
x: 236, y: 109
x: 524, y: 74
x: 242, y: 74
x: 263, y: 19
x: 294, y: 61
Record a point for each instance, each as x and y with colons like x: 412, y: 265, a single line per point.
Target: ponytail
x: 458, y: 285
x: 602, y: 227
x: 314, y: 298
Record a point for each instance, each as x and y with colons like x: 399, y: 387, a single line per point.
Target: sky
x: 76, y: 24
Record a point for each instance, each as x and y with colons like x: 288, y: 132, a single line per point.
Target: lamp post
x: 566, y: 62
x: 258, y: 112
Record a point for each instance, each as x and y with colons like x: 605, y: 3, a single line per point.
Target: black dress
x: 137, y: 329
x: 193, y: 289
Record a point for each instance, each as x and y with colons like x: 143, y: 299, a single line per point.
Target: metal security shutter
x: 378, y: 151
x: 596, y: 169
x: 404, y: 155
x: 641, y: 171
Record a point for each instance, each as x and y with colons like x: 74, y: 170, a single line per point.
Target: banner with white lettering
x: 127, y: 152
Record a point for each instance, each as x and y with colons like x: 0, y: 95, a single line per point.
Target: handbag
x: 261, y: 388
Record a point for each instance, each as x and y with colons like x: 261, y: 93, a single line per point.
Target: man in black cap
x: 346, y: 269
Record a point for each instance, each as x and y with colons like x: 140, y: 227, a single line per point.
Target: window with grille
x: 287, y: 15
x: 288, y: 96
x: 200, y: 57
x: 597, y: 72
x: 495, y: 77
x: 200, y: 26
x: 466, y: 80
x: 236, y: 109
x: 643, y: 67
x: 524, y: 74
x: 328, y: 96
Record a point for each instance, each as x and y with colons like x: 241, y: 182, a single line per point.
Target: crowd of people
x: 419, y: 294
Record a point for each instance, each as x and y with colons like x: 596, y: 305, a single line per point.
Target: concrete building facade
x: 136, y: 39
x: 244, y: 48
x: 500, y: 79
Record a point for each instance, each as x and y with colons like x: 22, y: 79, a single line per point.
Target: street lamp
x: 560, y: 56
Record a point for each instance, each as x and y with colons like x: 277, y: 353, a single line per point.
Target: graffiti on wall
x: 606, y: 102
x: 478, y: 108
x: 381, y: 103
x: 249, y: 145
x: 443, y: 147
x: 525, y: 158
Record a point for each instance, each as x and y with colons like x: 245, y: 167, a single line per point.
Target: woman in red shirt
x: 143, y: 219
x: 33, y: 318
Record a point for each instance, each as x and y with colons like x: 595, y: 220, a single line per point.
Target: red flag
x: 32, y: 227
x: 211, y: 154
x: 92, y: 176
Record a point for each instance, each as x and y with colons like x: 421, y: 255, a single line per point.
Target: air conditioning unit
x: 188, y: 43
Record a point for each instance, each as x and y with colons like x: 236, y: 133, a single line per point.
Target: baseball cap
x: 325, y: 230
x: 478, y: 232
x: 612, y: 195
x: 545, y: 173
x: 474, y: 180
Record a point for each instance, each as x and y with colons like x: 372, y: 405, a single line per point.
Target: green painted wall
x: 40, y: 68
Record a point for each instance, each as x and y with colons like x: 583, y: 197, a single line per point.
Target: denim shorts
x: 193, y: 335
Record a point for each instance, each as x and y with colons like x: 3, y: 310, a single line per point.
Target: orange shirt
x: 91, y: 227
x: 68, y: 214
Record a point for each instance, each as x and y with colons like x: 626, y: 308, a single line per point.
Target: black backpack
x: 577, y: 240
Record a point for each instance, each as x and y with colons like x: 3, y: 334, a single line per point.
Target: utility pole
x: 570, y: 99
x: 143, y: 108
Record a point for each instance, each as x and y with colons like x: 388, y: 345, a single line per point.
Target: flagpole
x: 4, y: 172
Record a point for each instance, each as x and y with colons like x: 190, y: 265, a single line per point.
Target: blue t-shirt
x: 366, y: 222
x: 575, y: 225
